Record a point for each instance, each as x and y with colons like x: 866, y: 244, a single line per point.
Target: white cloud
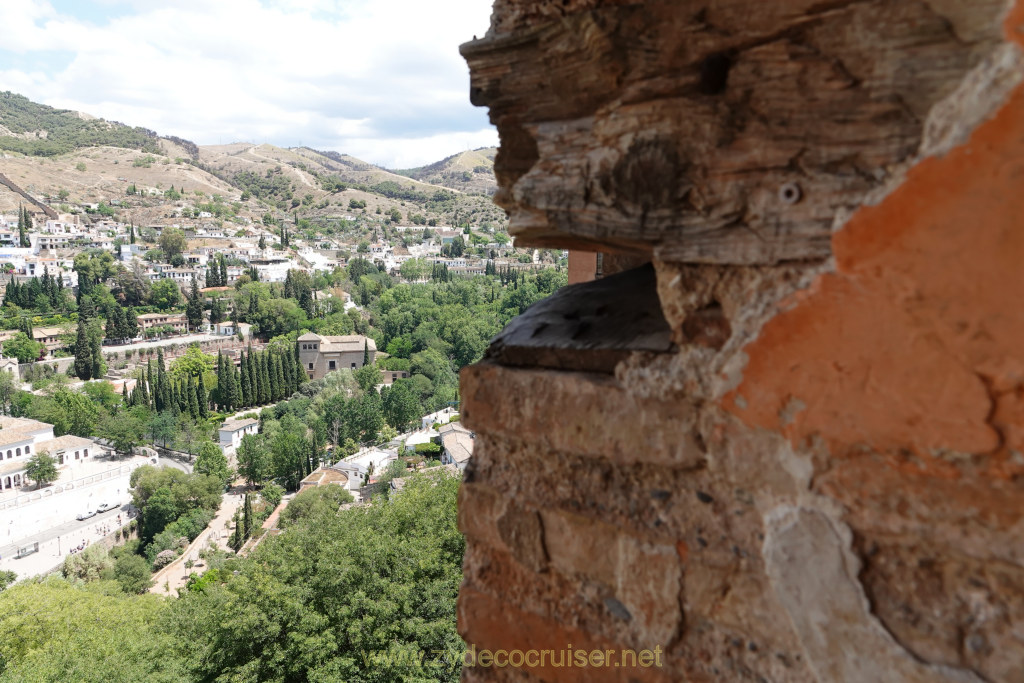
x: 380, y: 79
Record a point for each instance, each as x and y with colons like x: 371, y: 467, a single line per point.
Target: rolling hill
x: 471, y: 171
x: 53, y: 153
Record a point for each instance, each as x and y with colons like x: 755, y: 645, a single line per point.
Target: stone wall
x: 793, y: 449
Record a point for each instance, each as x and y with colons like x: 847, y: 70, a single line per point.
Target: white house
x: 456, y: 445
x: 442, y: 416
x: 232, y: 431
x: 373, y: 460
x: 21, y: 438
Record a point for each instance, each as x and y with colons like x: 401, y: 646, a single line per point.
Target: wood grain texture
x: 672, y: 127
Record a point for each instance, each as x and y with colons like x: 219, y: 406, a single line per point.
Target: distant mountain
x: 69, y: 158
x: 467, y: 171
x: 40, y: 130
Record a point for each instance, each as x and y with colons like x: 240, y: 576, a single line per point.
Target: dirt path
x: 302, y: 176
x: 175, y: 575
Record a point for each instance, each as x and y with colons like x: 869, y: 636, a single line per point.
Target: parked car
x: 87, y: 514
x: 103, y: 507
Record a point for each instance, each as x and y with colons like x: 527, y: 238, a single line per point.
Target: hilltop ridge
x: 81, y: 159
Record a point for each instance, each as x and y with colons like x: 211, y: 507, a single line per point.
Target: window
x: 331, y: 364
x: 27, y: 449
x: 353, y: 366
x: 304, y: 347
x: 310, y: 366
x: 17, y: 451
x: 85, y: 453
x: 8, y: 454
x: 76, y: 455
x: 60, y: 457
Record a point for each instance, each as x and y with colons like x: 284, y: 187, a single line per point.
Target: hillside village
x: 249, y: 322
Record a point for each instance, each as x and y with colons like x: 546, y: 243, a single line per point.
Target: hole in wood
x: 714, y: 74
x: 790, y: 193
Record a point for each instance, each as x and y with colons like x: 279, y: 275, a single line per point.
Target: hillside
x: 70, y: 159
x: 40, y: 130
x: 471, y: 171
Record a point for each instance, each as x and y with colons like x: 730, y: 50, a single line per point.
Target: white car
x: 103, y: 507
x: 87, y: 514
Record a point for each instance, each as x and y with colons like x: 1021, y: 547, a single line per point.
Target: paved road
x: 73, y: 532
x: 164, y: 461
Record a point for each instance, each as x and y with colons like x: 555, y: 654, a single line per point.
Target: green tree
x: 254, y: 459
x: 400, y: 406
x: 132, y: 573
x: 164, y: 294
x: 93, y: 564
x: 367, y: 377
x: 313, y: 503
x: 212, y: 462
x: 83, y: 352
x: 131, y: 323
x: 124, y: 431
x: 116, y: 637
x: 194, y: 307
x: 163, y: 427
x: 23, y: 348
x: 172, y: 242
x: 42, y: 469
x: 392, y: 569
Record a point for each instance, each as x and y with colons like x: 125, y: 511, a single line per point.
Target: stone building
x: 319, y: 354
x: 781, y: 438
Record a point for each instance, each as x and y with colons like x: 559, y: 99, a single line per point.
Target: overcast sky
x: 379, y: 79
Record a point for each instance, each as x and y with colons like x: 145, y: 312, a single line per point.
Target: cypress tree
x: 259, y: 381
x: 194, y: 306
x: 124, y: 394
x: 113, y: 329
x: 83, y: 353
x: 25, y: 242
x: 236, y: 536
x: 181, y: 397
x: 202, y: 398
x: 146, y: 382
x: 223, y: 271
x: 254, y: 378
x: 279, y: 383
x: 246, y: 385
x: 264, y: 365
x: 289, y: 374
x: 366, y: 352
x: 220, y: 392
x: 247, y: 517
x: 193, y: 400
x: 236, y: 385
x: 96, y: 346
x: 21, y: 225
x: 131, y: 323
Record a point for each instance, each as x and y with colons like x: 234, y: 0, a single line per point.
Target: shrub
x: 164, y: 558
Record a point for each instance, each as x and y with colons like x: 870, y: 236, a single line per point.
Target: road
x: 164, y: 461
x: 55, y: 543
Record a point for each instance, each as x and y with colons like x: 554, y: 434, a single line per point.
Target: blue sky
x: 379, y: 79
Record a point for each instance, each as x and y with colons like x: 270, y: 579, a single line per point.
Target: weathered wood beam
x: 723, y: 133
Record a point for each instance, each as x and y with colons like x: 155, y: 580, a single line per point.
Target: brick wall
x: 821, y: 476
